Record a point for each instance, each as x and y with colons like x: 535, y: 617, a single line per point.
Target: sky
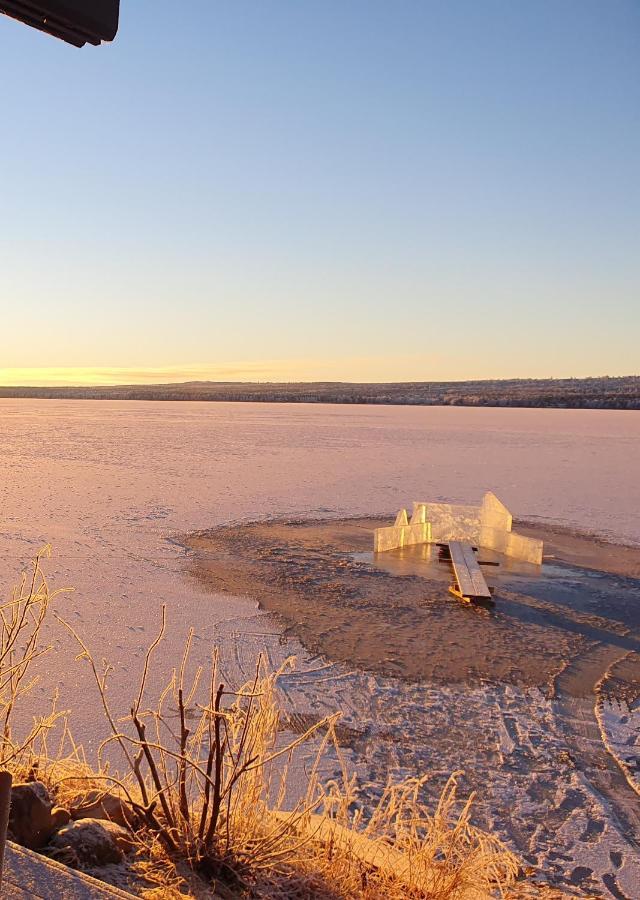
x: 287, y: 190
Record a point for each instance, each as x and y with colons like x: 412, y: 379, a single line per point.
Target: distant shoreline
x: 561, y: 393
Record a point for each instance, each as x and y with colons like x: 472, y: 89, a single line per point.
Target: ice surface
x: 109, y: 484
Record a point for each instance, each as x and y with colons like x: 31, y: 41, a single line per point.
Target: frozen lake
x: 108, y: 484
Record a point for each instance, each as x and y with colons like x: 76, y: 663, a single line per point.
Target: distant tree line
x: 561, y: 393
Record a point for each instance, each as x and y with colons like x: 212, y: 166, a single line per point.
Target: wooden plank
x: 479, y: 584
x: 27, y: 874
x: 461, y: 570
x: 467, y: 572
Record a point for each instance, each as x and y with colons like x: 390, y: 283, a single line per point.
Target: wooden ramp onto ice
x: 469, y: 580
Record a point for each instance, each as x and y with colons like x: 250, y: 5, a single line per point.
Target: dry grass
x: 204, y: 779
x: 21, y: 621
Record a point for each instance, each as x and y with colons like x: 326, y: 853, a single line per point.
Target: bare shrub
x: 21, y: 621
x: 206, y: 781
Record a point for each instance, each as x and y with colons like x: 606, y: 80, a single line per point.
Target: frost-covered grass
x: 204, y: 780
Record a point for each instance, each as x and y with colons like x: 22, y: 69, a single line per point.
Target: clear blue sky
x: 360, y: 190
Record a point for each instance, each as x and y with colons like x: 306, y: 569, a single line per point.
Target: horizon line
x: 115, y: 385
x: 405, y: 369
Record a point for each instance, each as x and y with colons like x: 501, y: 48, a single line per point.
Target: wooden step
x: 470, y: 583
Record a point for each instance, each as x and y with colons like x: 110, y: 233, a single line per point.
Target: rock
x: 91, y: 842
x: 100, y: 805
x: 64, y: 855
x: 60, y: 816
x: 39, y: 789
x: 32, y: 817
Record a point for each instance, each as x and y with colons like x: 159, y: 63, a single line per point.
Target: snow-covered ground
x: 509, y: 743
x: 620, y: 724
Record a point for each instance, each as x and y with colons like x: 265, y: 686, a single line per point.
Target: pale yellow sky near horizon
x: 353, y: 370
x: 361, y: 369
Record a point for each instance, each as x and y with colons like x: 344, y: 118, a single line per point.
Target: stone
x: 32, y: 816
x: 39, y: 789
x: 101, y: 805
x: 91, y: 842
x: 60, y: 816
